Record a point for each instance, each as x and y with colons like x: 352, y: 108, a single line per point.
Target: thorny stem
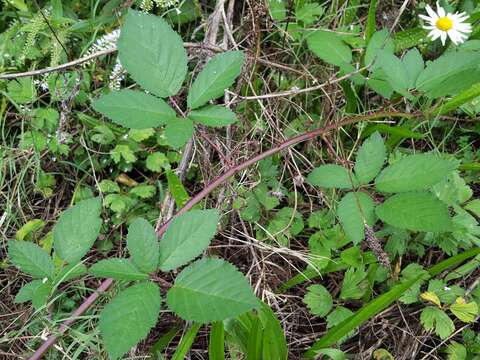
x: 204, y: 193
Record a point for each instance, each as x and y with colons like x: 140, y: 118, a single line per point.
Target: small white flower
x: 443, y: 25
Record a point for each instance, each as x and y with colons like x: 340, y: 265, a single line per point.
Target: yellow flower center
x: 444, y: 23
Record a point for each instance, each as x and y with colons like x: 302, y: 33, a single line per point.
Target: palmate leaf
x: 128, y: 318
x: 414, y: 173
x: 218, y: 75
x: 143, y: 245
x: 433, y: 318
x: 187, y: 236
x: 77, y: 229
x: 30, y: 258
x: 210, y: 290
x: 152, y: 53
x: 134, y: 109
x: 318, y: 300
x: 417, y: 211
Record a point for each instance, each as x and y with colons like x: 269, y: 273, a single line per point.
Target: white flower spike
x: 443, y: 25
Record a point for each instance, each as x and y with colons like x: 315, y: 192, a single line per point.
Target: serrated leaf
x: 414, y: 64
x: 30, y: 258
x: 449, y: 74
x: 213, y: 115
x: 332, y: 176
x: 354, y: 284
x: 178, y: 132
x: 354, y: 217
x: 119, y: 269
x: 418, y: 211
x: 69, y: 272
x: 77, y: 229
x: 134, y: 109
x: 318, y: 300
x: 277, y: 9
x: 157, y: 161
x: 431, y: 297
x: 465, y: 312
x: 379, y: 41
x: 128, y: 318
x: 211, y: 290
x: 329, y: 47
x: 395, y: 71
x: 27, y: 291
x: 218, y: 75
x: 433, y: 318
x: 142, y: 245
x: 187, y: 236
x: 152, y: 53
x: 414, y: 173
x: 370, y: 158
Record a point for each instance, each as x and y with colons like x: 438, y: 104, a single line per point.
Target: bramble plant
x: 352, y: 127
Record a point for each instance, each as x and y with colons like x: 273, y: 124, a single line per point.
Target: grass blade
x: 216, y: 346
x: 380, y: 303
x: 186, y: 342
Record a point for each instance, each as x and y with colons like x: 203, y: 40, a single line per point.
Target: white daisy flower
x: 443, y: 25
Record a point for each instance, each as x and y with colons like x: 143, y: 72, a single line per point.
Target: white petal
x: 435, y: 34
x: 440, y: 10
x: 443, y: 37
x: 432, y: 13
x: 427, y: 18
x: 429, y: 27
x: 462, y: 28
x: 452, y: 34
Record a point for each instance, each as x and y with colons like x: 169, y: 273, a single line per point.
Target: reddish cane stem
x: 201, y: 195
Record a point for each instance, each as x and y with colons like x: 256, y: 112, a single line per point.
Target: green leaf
x: 381, y: 40
x: 371, y: 20
x: 143, y: 191
x: 414, y: 64
x: 277, y: 9
x: 354, y: 217
x: 218, y: 75
x: 31, y: 259
x: 187, y: 237
x: 449, y: 74
x: 119, y: 269
x: 213, y: 115
x: 414, y: 173
x: 354, y: 284
x: 178, y: 132
x: 69, y: 272
x: 433, y: 318
x: 210, y: 290
x: 329, y: 47
x: 27, y: 292
x: 418, y: 211
x: 370, y: 158
x: 308, y: 12
x: 27, y: 231
x: 318, y: 300
x: 395, y: 71
x: 381, y: 302
x: 41, y: 294
x: 152, y: 53
x: 456, y: 351
x: 134, y: 109
x: 274, y: 345
x: 334, y: 354
x: 128, y: 317
x: 157, y: 161
x: 332, y: 176
x: 465, y: 312
x: 177, y: 189
x: 474, y: 207
x: 143, y: 245
x: 77, y: 229
x: 458, y: 100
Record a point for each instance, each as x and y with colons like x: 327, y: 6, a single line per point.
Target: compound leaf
x: 143, y: 245
x: 30, y: 258
x: 119, y: 269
